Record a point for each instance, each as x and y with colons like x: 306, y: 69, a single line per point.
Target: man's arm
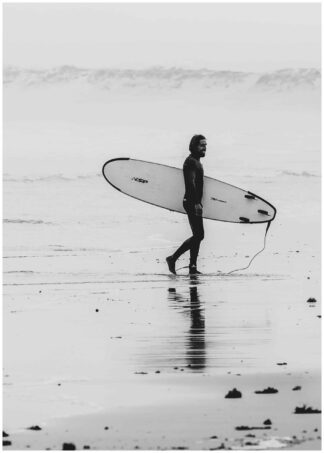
x: 191, y: 188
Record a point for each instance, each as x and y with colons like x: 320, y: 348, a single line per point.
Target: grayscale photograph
x: 161, y: 226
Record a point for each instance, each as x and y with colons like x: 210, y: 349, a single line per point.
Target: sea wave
x: 305, y: 174
x: 50, y: 178
x: 161, y: 77
x: 29, y: 221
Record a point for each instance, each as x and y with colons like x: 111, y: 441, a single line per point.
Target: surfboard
x: 163, y: 186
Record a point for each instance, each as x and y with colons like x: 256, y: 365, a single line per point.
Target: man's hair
x: 194, y: 142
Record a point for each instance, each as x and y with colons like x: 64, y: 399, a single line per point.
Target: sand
x: 102, y: 346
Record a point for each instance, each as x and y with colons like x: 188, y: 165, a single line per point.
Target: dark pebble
x: 267, y: 422
x: 249, y: 428
x: 35, y: 428
x: 214, y: 437
x: 4, y: 434
x: 234, y: 394
x: 298, y: 387
x: 311, y: 300
x: 306, y: 410
x: 157, y: 372
x: 172, y: 290
x: 86, y: 447
x: 281, y: 363
x: 68, y: 446
x: 266, y: 391
x: 106, y: 427
x: 97, y: 310
x: 6, y: 443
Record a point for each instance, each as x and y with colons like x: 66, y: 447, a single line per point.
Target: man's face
x: 201, y: 148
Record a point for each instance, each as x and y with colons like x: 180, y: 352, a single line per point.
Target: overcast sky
x: 254, y: 37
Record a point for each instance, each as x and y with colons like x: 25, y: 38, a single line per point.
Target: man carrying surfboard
x: 193, y: 173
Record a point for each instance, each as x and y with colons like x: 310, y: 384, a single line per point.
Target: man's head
x: 198, y: 145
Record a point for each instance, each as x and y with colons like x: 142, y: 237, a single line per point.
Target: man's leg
x: 192, y: 243
x: 197, y: 227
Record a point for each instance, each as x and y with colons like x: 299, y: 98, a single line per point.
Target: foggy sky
x: 254, y: 37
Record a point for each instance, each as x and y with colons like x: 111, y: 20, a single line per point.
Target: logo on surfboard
x: 143, y: 181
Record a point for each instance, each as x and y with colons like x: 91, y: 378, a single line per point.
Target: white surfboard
x: 163, y: 186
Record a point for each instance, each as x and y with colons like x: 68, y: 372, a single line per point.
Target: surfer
x: 193, y: 173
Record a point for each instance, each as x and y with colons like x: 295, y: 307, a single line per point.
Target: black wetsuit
x: 194, y: 182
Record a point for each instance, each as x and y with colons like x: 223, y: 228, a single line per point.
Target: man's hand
x: 198, y: 209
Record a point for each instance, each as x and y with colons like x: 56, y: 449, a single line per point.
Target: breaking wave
x: 50, y: 178
x: 305, y: 174
x: 160, y: 77
x: 23, y: 221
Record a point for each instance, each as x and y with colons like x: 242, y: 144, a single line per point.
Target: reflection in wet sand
x: 195, y: 342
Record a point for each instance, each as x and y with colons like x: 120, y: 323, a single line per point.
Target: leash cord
x: 243, y: 268
x: 264, y: 245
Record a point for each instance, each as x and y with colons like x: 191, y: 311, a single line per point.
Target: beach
x: 103, y: 347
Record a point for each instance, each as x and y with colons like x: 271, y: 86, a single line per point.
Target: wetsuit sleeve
x: 192, y: 194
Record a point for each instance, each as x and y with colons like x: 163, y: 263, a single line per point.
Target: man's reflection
x: 195, y: 342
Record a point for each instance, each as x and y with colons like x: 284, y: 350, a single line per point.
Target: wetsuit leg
x: 197, y: 227
x: 193, y: 243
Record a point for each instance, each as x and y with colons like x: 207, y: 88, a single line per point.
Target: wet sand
x: 152, y: 357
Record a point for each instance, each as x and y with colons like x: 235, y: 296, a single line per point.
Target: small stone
x: 35, y: 428
x: 97, y: 310
x: 86, y: 447
x: 306, y: 410
x: 68, y: 446
x: 267, y: 422
x: 298, y: 387
x: 4, y: 434
x: 282, y: 363
x: 106, y: 428
x: 234, y: 394
x: 311, y: 300
x: 6, y: 443
x: 268, y: 390
x: 213, y: 437
x: 157, y: 372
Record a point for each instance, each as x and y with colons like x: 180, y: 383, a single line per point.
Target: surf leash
x: 264, y: 245
x: 252, y: 259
